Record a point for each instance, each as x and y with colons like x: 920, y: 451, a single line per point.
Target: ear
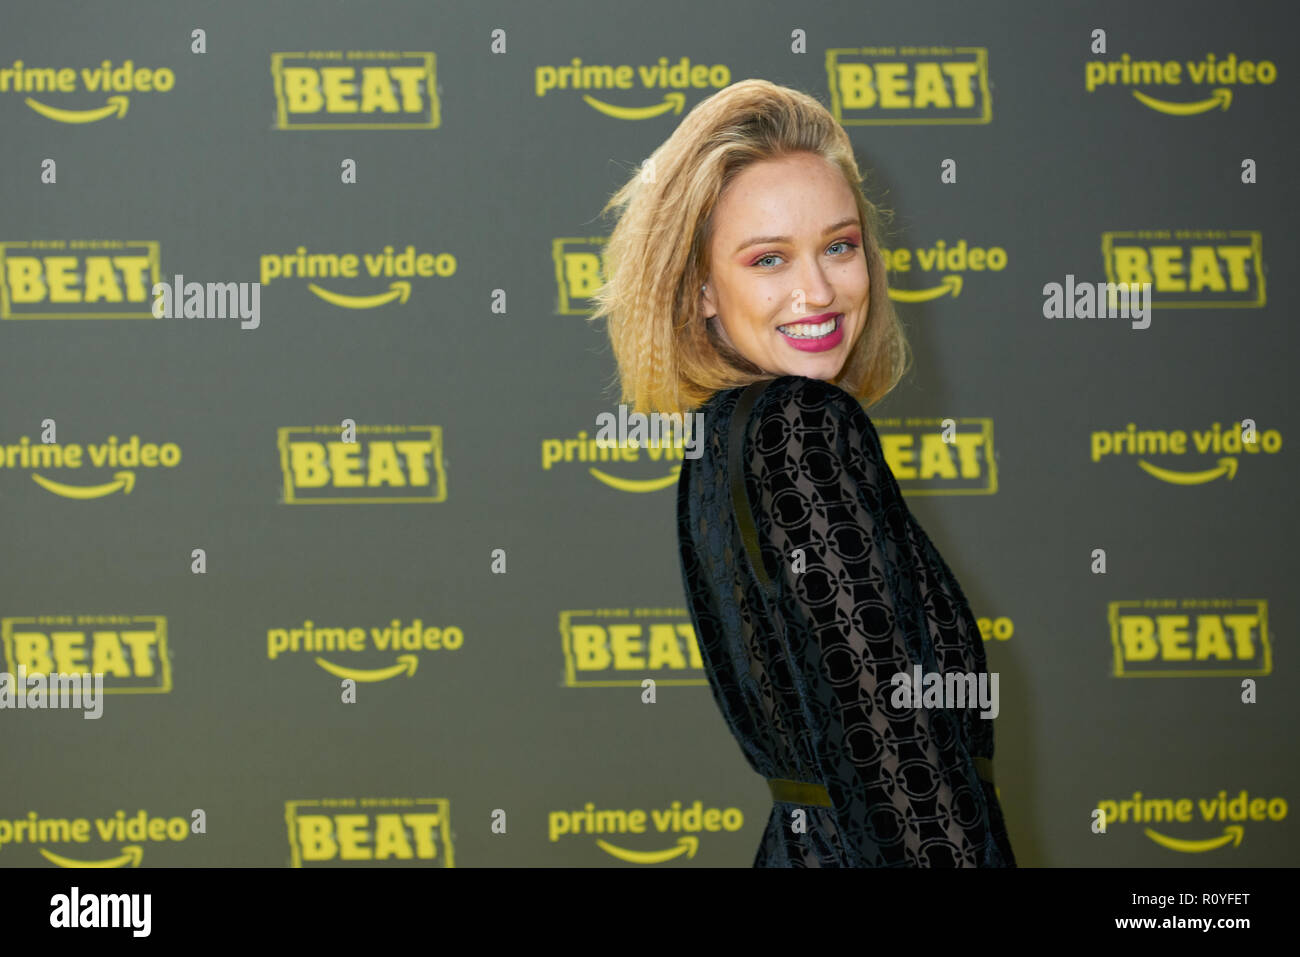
x: 709, y: 304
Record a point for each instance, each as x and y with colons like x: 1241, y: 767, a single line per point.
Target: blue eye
x: 843, y: 242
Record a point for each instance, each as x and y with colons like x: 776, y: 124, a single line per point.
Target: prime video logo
x: 52, y: 691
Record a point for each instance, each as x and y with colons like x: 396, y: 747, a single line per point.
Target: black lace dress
x: 800, y: 652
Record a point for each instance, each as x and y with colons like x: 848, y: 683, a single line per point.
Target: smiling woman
x: 749, y: 218
x: 762, y: 288
x: 744, y: 277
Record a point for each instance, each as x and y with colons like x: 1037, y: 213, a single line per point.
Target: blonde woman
x: 744, y: 281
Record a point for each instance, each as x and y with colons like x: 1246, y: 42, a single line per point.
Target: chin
x: 825, y: 369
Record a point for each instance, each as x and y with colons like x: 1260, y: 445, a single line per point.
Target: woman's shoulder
x: 802, y: 390
x: 787, y: 405
x: 787, y: 390
x: 804, y: 402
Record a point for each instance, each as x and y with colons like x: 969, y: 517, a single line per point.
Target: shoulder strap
x: 739, y: 496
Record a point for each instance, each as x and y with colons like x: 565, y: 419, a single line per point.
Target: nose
x: 814, y: 292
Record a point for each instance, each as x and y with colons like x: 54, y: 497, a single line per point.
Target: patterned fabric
x: 802, y: 672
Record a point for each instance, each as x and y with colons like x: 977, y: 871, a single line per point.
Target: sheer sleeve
x: 832, y: 530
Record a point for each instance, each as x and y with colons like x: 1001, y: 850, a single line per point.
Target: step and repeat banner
x: 311, y: 557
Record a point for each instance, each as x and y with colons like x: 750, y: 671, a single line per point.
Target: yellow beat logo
x: 356, y: 89
x: 335, y: 831
x: 909, y: 85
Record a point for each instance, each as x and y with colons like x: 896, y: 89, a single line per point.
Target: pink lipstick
x: 816, y: 334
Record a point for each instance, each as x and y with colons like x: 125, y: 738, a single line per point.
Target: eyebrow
x: 755, y: 240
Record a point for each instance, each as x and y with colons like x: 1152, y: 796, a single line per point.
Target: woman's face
x: 789, y: 288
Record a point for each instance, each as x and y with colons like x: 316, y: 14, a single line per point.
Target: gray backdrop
x: 510, y: 183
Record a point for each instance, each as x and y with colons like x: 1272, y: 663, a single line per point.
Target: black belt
x: 803, y: 792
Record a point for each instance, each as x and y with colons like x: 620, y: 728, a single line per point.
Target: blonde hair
x: 669, y: 359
